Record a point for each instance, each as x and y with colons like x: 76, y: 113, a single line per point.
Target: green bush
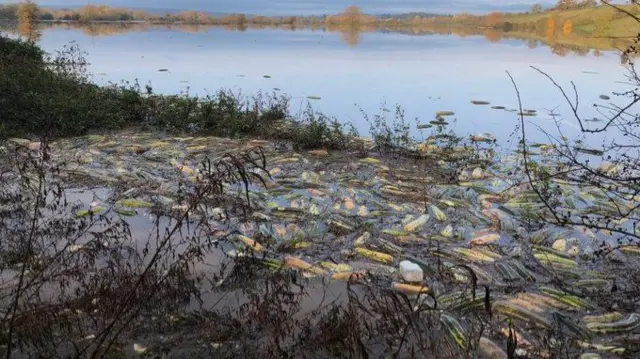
x: 222, y: 114
x: 315, y: 130
x: 42, y: 95
x: 13, y: 52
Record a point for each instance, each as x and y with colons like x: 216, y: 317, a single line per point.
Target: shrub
x: 51, y: 94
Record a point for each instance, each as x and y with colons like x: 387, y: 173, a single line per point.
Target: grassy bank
x: 601, y: 21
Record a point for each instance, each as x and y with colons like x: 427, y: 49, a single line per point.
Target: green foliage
x: 52, y: 95
x: 389, y: 134
x: 222, y: 114
x: 315, y: 130
x: 16, y: 52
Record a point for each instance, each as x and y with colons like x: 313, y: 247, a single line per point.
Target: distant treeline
x: 565, y: 18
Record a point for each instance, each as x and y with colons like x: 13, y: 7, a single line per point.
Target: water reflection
x: 561, y: 41
x: 29, y: 30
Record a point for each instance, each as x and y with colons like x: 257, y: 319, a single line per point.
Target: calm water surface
x: 423, y: 74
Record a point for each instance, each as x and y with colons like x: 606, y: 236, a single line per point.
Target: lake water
x: 423, y: 74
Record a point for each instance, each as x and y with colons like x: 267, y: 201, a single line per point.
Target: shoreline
x: 574, y: 42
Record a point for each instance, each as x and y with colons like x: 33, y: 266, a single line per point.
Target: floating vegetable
x: 455, y: 330
x: 374, y: 255
x: 437, y: 213
x: 416, y: 224
x: 625, y: 325
x: 134, y: 203
x: 491, y: 349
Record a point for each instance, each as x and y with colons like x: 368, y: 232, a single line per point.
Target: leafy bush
x: 315, y: 130
x: 41, y: 94
x: 222, y: 114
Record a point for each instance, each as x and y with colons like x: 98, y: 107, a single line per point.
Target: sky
x: 310, y: 7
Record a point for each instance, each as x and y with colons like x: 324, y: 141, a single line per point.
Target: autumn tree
x: 492, y: 19
x: 567, y: 28
x: 27, y: 13
x: 566, y: 4
x: 289, y: 20
x: 551, y: 26
x: 352, y: 15
x: 536, y: 8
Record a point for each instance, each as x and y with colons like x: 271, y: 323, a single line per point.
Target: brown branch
x: 524, y: 150
x: 574, y: 107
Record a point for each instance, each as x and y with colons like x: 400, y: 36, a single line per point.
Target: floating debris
x: 517, y: 312
x: 319, y: 153
x: 134, y: 203
x: 139, y: 349
x: 590, y: 151
x: 373, y: 219
x: 417, y: 224
x: 483, y: 137
x: 375, y: 256
x: 411, y: 272
x: 89, y: 212
x: 477, y: 102
x: 621, y: 326
x: 439, y: 123
x: 603, y: 318
x: 250, y: 243
x: 437, y: 213
x: 486, y: 239
x: 297, y: 263
x: 491, y: 349
x: 410, y: 289
x: 455, y: 330
x: 348, y: 275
